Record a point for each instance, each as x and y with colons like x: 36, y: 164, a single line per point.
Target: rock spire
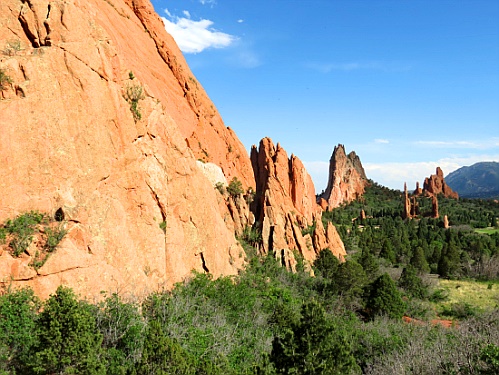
x: 347, y: 178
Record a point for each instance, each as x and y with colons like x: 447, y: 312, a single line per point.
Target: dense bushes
x: 264, y: 321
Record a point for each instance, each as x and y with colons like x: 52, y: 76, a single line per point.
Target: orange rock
x: 285, y: 205
x: 71, y: 141
x: 435, y: 184
x: 446, y: 222
x: 347, y: 179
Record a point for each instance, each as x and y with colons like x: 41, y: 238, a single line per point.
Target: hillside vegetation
x: 347, y: 319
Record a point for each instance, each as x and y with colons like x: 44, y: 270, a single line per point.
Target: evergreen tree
x: 314, y: 346
x: 18, y: 313
x: 385, y: 298
x: 387, y: 251
x: 412, y: 284
x: 162, y: 355
x: 370, y: 264
x: 418, y: 261
x: 327, y: 264
x: 68, y: 340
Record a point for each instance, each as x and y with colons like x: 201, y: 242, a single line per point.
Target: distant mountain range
x: 480, y: 180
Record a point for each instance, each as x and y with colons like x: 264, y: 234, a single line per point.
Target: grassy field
x: 489, y: 230
x: 482, y: 296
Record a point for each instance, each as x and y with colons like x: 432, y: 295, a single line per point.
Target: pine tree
x: 68, y: 340
x: 314, y: 346
x: 385, y: 299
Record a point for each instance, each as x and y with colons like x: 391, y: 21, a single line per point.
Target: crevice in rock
x: 271, y: 238
x: 136, y: 139
x: 160, y: 205
x: 83, y: 62
x: 29, y: 34
x: 20, y: 92
x: 203, y: 263
x: 283, y: 258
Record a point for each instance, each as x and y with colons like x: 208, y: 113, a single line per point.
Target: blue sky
x: 408, y: 85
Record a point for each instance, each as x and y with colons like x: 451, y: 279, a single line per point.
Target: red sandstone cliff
x: 285, y: 207
x: 115, y: 133
x: 73, y: 140
x: 347, y: 178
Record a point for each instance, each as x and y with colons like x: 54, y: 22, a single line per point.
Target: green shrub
x: 235, y: 187
x: 309, y: 229
x: 5, y: 80
x: 68, y: 339
x: 252, y: 236
x: 12, y: 47
x: 162, y: 226
x: 460, y: 310
x: 54, y: 236
x: 22, y: 229
x: 18, y: 312
x: 220, y: 187
x: 133, y: 94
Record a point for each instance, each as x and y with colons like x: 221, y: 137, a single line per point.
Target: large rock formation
x: 101, y: 119
x: 106, y: 130
x: 285, y: 207
x: 347, y: 178
x: 435, y: 185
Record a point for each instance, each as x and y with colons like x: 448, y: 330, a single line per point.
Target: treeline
x: 424, y: 243
x: 345, y: 320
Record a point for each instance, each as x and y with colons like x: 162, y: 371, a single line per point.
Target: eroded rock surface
x: 347, y: 178
x: 286, y: 209
x: 107, y: 128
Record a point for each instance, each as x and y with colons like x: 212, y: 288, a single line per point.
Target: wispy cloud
x: 381, y: 141
x: 480, y: 145
x: 195, y: 36
x: 357, y: 65
x: 208, y: 2
x: 394, y: 174
x: 245, y: 57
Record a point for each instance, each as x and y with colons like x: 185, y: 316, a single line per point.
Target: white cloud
x: 240, y: 21
x: 186, y: 13
x: 208, y: 2
x: 382, y: 141
x: 481, y: 145
x: 195, y: 36
x: 393, y: 174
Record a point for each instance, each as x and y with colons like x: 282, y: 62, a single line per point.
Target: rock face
x: 91, y: 130
x: 435, y: 185
x: 285, y: 207
x: 112, y: 136
x: 347, y: 178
